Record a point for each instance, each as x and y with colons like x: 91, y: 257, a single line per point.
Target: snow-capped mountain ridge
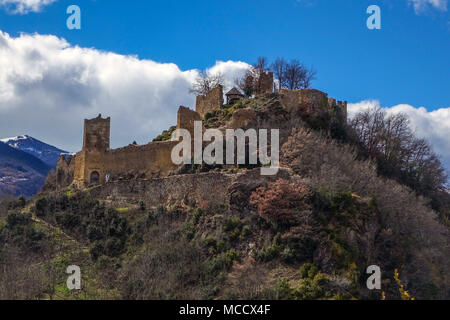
x: 14, y: 139
x: 41, y: 150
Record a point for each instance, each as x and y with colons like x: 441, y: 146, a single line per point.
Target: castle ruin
x: 265, y: 83
x: 98, y: 164
x: 213, y: 100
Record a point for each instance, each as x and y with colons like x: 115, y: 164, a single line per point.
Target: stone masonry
x: 213, y: 100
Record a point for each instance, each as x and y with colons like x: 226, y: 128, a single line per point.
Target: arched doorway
x: 95, y: 177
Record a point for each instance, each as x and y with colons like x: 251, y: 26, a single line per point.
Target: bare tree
x: 401, y: 214
x: 279, y: 68
x: 261, y: 64
x: 260, y: 67
x: 389, y: 140
x: 297, y: 76
x: 206, y: 82
x: 293, y: 75
x: 247, y: 82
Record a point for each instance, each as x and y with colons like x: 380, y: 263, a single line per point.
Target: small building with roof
x: 233, y: 96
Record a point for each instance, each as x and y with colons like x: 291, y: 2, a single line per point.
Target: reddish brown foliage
x: 281, y: 201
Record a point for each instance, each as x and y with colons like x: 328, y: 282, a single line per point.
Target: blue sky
x: 136, y: 60
x: 407, y: 61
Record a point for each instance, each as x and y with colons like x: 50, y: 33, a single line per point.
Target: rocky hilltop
x: 226, y: 231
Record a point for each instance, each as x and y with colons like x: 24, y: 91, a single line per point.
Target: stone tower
x: 90, y: 162
x: 96, y: 135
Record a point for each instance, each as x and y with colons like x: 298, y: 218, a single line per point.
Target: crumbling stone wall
x: 97, y: 163
x: 151, y: 160
x: 65, y: 170
x: 80, y: 169
x: 310, y: 101
x: 191, y: 189
x: 213, y: 100
x: 265, y: 83
x: 340, y: 105
x: 306, y: 101
x: 186, y: 119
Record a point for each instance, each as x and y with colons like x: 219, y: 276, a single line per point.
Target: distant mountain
x: 21, y: 173
x: 43, y: 151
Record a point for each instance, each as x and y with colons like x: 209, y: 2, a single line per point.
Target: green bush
x: 113, y: 247
x: 20, y: 231
x: 18, y: 203
x: 97, y: 250
x: 94, y: 233
x: 166, y: 135
x: 233, y: 227
x: 283, y: 290
x: 268, y: 254
x: 308, y: 271
x: 82, y: 215
x: 17, y: 219
x: 223, y: 261
x: 312, y: 288
x: 189, y: 230
x: 142, y: 206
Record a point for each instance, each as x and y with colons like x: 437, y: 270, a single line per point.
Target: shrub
x: 18, y: 203
x: 282, y: 202
x: 283, y: 291
x: 308, y: 270
x: 232, y: 224
x: 41, y: 207
x: 94, y: 233
x: 311, y: 289
x: 223, y: 261
x: 20, y: 230
x: 234, y: 227
x: 271, y: 252
x: 166, y: 135
x: 113, y: 247
x: 17, y: 219
x: 97, y: 250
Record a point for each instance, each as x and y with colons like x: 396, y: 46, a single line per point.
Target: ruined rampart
x: 213, y: 100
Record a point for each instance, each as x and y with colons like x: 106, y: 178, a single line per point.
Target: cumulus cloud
x: 24, y: 6
x: 422, y: 5
x: 47, y: 88
x: 434, y: 125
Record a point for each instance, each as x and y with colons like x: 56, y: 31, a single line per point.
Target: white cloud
x: 24, y: 6
x: 231, y: 71
x: 434, y: 125
x: 422, y: 5
x: 47, y: 88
